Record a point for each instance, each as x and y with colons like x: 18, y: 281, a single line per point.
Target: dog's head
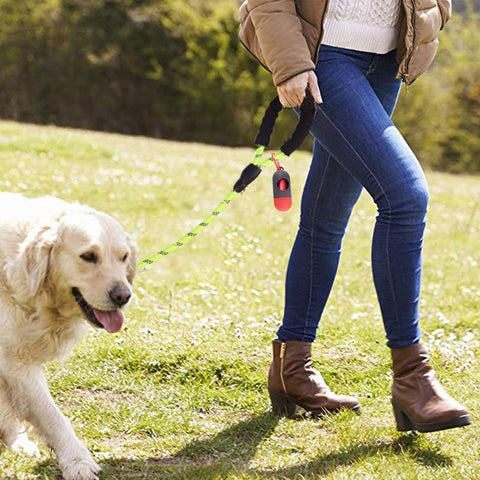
x: 84, y: 258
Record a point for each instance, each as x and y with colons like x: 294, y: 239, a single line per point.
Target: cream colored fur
x: 41, y: 241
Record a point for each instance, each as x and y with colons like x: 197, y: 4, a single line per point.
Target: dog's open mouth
x: 111, y: 321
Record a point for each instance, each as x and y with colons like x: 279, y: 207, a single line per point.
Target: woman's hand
x: 292, y: 92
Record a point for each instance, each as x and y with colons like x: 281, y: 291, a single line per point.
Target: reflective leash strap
x: 251, y: 171
x: 258, y: 162
x: 188, y: 236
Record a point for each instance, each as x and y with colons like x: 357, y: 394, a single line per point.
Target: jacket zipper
x: 283, y: 347
x: 410, y: 53
x: 320, y: 36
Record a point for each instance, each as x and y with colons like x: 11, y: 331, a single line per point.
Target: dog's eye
x: 89, y: 257
x: 124, y: 258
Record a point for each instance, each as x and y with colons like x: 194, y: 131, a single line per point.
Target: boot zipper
x: 283, y: 346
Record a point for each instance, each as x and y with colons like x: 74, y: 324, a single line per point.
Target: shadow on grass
x: 409, y: 446
x: 231, y: 451
x: 227, y: 452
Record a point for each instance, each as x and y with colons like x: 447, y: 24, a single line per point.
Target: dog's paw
x: 81, y: 470
x: 23, y: 444
x: 79, y: 465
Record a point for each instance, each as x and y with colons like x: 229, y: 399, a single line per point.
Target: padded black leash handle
x: 307, y: 112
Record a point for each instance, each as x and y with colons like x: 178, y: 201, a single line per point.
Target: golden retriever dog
x: 62, y: 266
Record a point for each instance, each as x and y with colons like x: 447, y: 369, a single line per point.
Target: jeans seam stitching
x: 311, y: 246
x: 386, y: 197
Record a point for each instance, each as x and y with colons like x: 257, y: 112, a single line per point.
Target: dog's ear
x: 27, y: 274
x: 132, y: 259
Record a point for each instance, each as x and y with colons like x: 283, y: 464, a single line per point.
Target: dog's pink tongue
x: 112, y: 321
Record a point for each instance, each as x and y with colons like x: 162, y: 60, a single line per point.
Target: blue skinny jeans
x: 357, y: 145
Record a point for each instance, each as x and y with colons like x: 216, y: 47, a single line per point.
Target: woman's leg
x: 330, y: 193
x: 328, y: 198
x: 353, y: 125
x: 360, y: 90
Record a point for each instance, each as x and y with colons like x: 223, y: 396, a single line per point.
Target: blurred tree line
x: 176, y: 70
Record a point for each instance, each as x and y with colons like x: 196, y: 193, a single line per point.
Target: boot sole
x: 405, y: 423
x: 286, y: 405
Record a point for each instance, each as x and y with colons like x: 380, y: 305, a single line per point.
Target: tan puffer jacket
x: 285, y: 35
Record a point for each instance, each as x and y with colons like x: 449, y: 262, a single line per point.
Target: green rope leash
x: 257, y: 162
x: 251, y: 172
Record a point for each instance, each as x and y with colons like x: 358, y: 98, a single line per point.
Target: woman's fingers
x: 292, y: 92
x: 290, y: 99
x: 313, y: 87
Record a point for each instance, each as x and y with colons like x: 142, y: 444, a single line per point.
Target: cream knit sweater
x: 364, y: 25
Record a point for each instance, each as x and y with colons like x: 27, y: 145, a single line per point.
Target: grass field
x: 180, y: 392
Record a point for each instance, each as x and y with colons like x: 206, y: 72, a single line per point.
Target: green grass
x: 180, y: 392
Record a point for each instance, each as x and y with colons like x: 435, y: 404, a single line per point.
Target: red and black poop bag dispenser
x: 282, y: 192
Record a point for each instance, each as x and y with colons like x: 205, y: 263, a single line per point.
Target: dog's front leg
x: 34, y: 403
x: 12, y: 431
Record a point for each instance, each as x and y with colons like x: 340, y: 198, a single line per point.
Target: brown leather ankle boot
x: 419, y: 401
x: 293, y: 383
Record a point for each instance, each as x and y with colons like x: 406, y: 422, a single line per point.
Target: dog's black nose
x: 120, y: 294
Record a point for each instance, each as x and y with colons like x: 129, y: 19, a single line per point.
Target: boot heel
x: 404, y: 424
x: 282, y: 404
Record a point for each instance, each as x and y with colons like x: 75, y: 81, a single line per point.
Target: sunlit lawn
x: 180, y: 392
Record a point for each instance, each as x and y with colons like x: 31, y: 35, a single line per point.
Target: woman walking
x: 352, y: 55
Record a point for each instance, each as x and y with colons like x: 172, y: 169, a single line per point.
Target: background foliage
x: 176, y: 70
